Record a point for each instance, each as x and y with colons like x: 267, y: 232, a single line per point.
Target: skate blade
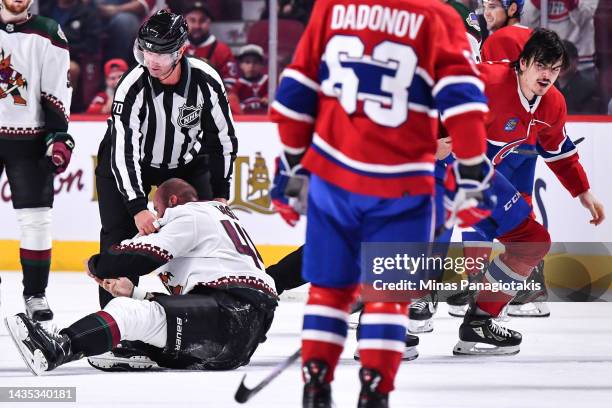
x: 420, y: 326
x: 470, y: 348
x: 410, y: 353
x: 36, y: 362
x: 535, y: 309
x: 457, y: 311
x: 109, y: 362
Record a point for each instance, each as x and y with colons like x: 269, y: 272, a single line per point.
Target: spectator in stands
x: 582, y: 94
x: 573, y: 21
x: 291, y: 9
x: 80, y: 23
x: 123, y: 19
x: 202, y: 44
x: 102, y: 102
x: 250, y: 92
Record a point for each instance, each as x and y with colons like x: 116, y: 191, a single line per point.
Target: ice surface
x: 565, y: 361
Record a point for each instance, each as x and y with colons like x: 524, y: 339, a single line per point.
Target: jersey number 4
x: 243, y: 243
x: 381, y: 80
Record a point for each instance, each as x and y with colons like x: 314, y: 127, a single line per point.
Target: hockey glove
x: 469, y: 194
x: 290, y: 188
x: 59, y: 150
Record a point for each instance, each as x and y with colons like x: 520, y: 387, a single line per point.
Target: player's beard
x: 16, y: 9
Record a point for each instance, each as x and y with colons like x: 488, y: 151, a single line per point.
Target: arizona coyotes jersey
x: 365, y: 88
x: 505, y: 44
x: 253, y: 94
x: 200, y: 243
x: 35, y: 90
x: 538, y: 126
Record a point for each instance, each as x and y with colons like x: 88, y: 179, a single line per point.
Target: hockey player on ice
x: 507, y: 36
x: 221, y: 304
x: 35, y: 98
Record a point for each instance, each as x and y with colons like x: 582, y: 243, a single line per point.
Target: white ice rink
x: 565, y: 361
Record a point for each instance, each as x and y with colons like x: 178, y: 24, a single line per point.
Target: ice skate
x: 127, y: 356
x: 420, y: 314
x: 37, y: 308
x: 410, y: 352
x: 41, y: 350
x: 531, y: 303
x: 481, y: 335
x: 369, y: 397
x: 317, y: 393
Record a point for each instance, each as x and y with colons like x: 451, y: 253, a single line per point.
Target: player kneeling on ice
x: 220, y: 307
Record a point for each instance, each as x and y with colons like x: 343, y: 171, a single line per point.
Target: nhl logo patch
x: 189, y: 116
x: 511, y: 124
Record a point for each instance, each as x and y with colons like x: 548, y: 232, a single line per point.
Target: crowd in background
x: 232, y: 35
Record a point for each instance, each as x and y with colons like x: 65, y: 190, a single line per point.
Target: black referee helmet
x: 163, y: 33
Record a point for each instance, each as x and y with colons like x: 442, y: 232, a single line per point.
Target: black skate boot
x: 531, y: 303
x: 410, y: 352
x: 420, y: 314
x: 37, y: 307
x: 127, y: 356
x: 369, y: 397
x: 481, y: 335
x: 317, y: 393
x: 41, y: 350
x: 458, y: 303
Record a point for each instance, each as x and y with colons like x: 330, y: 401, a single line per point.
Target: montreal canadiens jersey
x: 202, y: 243
x: 366, y: 86
x: 35, y: 89
x: 506, y: 43
x: 253, y: 94
x: 539, y: 127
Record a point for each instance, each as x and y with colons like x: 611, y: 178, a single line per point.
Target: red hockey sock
x: 326, y: 324
x: 382, y: 333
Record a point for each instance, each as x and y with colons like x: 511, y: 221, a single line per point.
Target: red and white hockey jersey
x: 366, y: 86
x: 219, y: 56
x: 505, y: 44
x: 252, y: 94
x: 512, y: 122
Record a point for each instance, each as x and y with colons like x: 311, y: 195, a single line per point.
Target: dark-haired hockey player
x: 35, y: 98
x: 221, y: 303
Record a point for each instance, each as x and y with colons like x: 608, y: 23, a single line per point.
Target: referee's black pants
x: 117, y: 223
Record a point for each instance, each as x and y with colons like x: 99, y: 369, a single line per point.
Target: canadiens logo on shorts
x: 511, y: 124
x: 189, y: 116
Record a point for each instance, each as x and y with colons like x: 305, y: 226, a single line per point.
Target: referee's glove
x: 469, y: 197
x: 290, y: 188
x: 59, y: 150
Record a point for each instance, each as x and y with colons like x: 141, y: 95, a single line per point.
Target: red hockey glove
x: 59, y: 150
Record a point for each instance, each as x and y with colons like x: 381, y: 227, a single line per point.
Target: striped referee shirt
x: 165, y: 127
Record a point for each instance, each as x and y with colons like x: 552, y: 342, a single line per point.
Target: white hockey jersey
x: 203, y: 244
x: 35, y: 91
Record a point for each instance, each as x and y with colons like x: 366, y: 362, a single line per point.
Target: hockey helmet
x: 163, y: 33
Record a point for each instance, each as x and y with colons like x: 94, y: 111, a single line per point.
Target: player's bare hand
x: 145, y: 222
x: 221, y: 200
x: 118, y: 287
x: 90, y: 274
x: 595, y: 207
x: 444, y: 148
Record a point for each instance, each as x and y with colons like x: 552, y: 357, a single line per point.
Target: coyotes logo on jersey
x: 11, y: 81
x: 166, y: 277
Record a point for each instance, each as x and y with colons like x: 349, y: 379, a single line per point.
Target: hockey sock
x: 94, y: 334
x: 35, y: 265
x: 326, y: 324
x: 381, y: 338
x: 526, y: 246
x: 475, y: 246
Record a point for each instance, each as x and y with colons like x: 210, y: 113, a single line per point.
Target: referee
x: 170, y: 118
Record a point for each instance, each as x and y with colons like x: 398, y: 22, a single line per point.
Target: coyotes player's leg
x: 525, y: 246
x: 97, y: 333
x: 474, y: 246
x: 31, y: 185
